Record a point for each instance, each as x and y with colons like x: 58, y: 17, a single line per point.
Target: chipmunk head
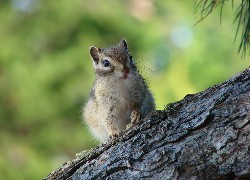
x: 115, y: 60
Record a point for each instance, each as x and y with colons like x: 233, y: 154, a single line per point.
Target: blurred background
x: 46, y: 72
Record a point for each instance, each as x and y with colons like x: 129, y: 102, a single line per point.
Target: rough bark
x: 204, y: 136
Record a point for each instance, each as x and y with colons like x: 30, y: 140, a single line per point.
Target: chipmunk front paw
x: 135, y: 116
x: 114, y: 136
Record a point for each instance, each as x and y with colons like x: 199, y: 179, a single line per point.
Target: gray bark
x: 204, y: 136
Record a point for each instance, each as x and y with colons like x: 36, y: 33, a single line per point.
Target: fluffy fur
x: 119, y: 95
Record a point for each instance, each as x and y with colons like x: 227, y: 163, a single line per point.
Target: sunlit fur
x: 118, y: 89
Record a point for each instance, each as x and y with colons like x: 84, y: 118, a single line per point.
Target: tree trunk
x: 204, y: 136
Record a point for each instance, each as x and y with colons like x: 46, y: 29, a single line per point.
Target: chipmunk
x: 119, y: 96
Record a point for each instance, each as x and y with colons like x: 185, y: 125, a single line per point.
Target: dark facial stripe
x: 102, y: 72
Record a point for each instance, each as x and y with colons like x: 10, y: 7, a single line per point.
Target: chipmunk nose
x: 125, y: 70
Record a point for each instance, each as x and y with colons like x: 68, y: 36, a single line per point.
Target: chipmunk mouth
x: 125, y: 73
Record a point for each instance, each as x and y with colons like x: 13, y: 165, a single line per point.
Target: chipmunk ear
x: 94, y: 52
x: 123, y: 43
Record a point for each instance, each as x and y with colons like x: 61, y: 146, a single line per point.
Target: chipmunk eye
x: 106, y: 63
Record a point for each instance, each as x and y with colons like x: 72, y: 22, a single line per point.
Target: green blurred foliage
x: 46, y: 72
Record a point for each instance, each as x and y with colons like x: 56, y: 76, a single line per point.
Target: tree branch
x: 204, y: 136
x: 206, y: 7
